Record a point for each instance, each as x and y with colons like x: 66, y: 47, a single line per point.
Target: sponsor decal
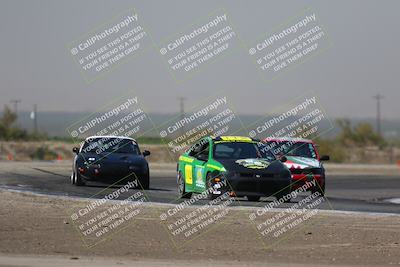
x: 199, y: 171
x: 253, y: 163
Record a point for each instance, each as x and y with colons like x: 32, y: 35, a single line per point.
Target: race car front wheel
x: 145, y: 182
x: 318, y: 188
x: 181, y: 187
x: 210, y: 185
x: 72, y: 178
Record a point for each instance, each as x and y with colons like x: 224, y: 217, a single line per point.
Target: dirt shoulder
x: 39, y: 227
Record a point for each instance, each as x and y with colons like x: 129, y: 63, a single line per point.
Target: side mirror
x: 75, y: 150
x: 146, y: 153
x: 324, y: 157
x: 283, y: 158
x: 202, y: 157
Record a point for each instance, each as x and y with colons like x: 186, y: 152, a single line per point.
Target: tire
x: 182, y: 187
x: 78, y: 180
x: 253, y: 198
x: 320, y: 189
x: 72, y: 179
x: 210, y: 195
x: 145, y: 182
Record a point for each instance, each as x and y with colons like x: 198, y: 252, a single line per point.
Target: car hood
x: 301, y: 163
x: 255, y: 165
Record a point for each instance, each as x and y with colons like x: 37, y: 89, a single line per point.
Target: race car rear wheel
x: 145, y: 182
x: 181, y: 187
x: 78, y: 180
x: 318, y: 188
x: 253, y: 198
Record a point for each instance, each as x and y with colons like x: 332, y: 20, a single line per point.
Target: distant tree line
x: 351, y: 136
x: 10, y: 131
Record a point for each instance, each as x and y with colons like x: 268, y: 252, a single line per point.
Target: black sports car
x: 110, y: 159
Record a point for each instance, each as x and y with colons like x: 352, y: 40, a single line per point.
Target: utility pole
x: 182, y: 111
x: 378, y: 98
x: 15, y: 102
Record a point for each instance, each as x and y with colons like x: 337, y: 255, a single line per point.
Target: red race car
x: 303, y: 161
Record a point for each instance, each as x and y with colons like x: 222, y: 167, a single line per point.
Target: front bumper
x: 112, y: 173
x: 298, y: 180
x: 258, y: 185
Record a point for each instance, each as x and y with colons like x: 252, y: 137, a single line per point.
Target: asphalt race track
x: 363, y: 193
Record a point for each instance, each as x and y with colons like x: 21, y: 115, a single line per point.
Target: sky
x: 361, y: 61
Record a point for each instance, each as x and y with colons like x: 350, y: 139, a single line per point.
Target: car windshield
x: 110, y: 145
x: 291, y: 148
x: 242, y: 150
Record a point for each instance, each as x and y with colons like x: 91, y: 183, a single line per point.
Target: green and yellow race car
x: 239, y: 165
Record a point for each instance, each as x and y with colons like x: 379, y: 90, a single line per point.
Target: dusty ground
x: 37, y: 231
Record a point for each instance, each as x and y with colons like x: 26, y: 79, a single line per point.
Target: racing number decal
x: 188, y: 174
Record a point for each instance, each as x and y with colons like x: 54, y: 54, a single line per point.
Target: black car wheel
x: 181, y: 187
x: 145, y: 182
x: 319, y: 188
x: 78, y: 180
x: 72, y: 178
x: 210, y: 184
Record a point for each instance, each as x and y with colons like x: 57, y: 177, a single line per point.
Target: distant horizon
x: 178, y: 113
x: 51, y: 123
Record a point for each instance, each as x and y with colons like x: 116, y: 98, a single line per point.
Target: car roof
x: 287, y: 139
x: 109, y: 136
